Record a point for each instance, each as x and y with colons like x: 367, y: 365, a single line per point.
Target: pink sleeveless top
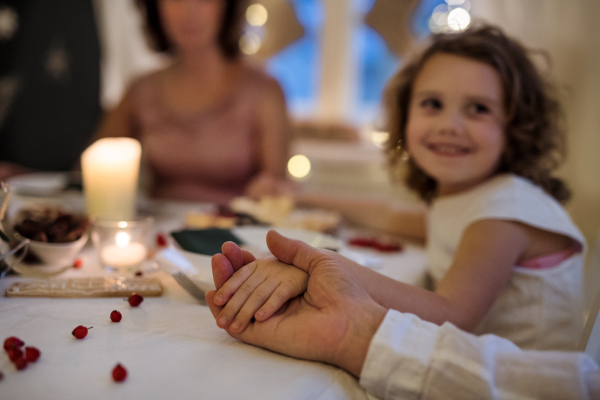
x: 207, y: 156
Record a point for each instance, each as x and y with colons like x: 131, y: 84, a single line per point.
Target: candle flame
x: 122, y: 239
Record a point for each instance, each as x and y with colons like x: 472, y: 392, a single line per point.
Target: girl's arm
x: 274, y: 132
x: 406, y: 219
x: 482, y: 267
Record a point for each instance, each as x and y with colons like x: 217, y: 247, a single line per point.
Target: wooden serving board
x: 85, y: 287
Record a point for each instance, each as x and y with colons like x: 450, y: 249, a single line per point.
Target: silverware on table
x: 190, y: 286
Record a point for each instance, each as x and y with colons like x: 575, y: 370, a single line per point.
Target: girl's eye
x: 479, y: 108
x: 431, y: 103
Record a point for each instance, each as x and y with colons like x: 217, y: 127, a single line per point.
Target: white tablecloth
x: 170, y: 346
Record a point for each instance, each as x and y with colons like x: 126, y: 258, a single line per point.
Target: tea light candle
x: 110, y: 169
x: 123, y: 254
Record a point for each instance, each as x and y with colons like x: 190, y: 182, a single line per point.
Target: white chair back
x: 590, y: 340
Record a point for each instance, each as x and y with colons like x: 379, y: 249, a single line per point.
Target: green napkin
x: 204, y: 241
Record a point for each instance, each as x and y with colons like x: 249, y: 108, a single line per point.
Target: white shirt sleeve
x: 412, y: 359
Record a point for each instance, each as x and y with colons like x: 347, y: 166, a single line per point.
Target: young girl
x: 474, y: 122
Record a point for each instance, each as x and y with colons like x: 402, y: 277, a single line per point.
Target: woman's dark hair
x: 534, y: 140
x: 229, y: 36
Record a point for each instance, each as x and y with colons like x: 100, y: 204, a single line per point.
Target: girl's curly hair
x: 535, y: 143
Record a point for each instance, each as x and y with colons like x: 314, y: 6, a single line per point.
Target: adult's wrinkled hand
x: 333, y: 321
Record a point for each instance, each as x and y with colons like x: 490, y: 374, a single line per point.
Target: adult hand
x: 333, y: 322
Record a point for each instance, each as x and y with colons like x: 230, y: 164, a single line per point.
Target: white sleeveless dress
x: 539, y: 309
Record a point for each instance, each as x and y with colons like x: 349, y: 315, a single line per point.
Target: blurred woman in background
x: 211, y: 126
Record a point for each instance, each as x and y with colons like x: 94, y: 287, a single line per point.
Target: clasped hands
x: 302, y: 302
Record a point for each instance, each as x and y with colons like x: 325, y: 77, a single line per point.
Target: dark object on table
x: 204, y: 241
x: 242, y: 219
x: 50, y: 225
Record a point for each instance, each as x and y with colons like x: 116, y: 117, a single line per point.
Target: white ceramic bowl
x: 56, y: 253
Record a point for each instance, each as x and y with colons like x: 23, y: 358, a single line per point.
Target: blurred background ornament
x: 271, y: 26
x: 57, y: 61
x: 9, y: 22
x: 392, y: 20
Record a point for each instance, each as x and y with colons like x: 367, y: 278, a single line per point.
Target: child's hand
x: 258, y: 290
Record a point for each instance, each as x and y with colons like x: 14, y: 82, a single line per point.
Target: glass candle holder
x: 121, y: 246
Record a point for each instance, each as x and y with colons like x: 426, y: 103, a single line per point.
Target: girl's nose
x: 450, y: 124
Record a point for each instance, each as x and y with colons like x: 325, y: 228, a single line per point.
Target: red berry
x: 77, y: 263
x: 12, y: 342
x: 161, y: 240
x: 21, y: 363
x: 388, y: 247
x: 81, y: 331
x: 119, y: 373
x: 135, y: 299
x: 115, y: 316
x: 363, y: 242
x: 14, y: 353
x: 32, y: 354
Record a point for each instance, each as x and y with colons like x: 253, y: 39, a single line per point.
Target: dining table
x: 170, y: 345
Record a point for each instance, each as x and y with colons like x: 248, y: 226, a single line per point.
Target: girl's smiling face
x: 456, y: 118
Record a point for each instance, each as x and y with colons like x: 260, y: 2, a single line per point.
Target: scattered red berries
x: 21, y: 364
x: 161, y: 240
x: 81, y: 331
x: 12, y: 341
x: 119, y: 373
x: 32, y: 354
x: 77, y: 263
x: 135, y: 299
x: 13, y: 345
x: 115, y: 316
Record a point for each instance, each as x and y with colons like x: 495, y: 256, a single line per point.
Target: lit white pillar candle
x: 110, y: 169
x: 123, y: 254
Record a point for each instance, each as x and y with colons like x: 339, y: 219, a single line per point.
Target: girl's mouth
x: 446, y: 149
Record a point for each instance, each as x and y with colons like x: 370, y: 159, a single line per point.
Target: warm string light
x: 256, y: 17
x: 299, y: 166
x: 450, y: 17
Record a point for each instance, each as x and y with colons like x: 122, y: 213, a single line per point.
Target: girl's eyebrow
x: 426, y: 93
x: 485, y: 99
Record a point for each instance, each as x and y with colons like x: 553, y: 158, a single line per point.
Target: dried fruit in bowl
x: 50, y: 224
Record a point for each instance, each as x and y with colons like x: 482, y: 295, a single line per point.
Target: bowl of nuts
x: 55, y: 235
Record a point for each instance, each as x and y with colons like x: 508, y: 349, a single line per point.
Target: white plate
x: 198, y: 266
x: 256, y: 236
x: 39, y: 183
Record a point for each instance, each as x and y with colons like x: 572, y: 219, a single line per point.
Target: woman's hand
x: 265, y: 184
